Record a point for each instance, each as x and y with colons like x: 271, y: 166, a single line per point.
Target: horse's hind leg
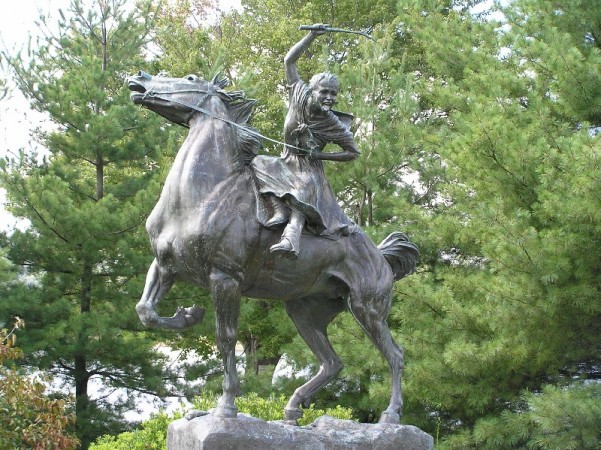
x: 371, y: 313
x: 158, y: 283
x: 311, y: 317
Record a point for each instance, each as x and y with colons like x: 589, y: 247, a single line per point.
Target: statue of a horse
x: 204, y: 230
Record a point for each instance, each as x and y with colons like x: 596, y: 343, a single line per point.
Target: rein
x: 154, y: 94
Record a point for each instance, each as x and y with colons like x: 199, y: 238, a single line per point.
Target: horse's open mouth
x: 137, y: 89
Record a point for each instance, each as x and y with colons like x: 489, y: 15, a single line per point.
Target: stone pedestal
x: 326, y: 433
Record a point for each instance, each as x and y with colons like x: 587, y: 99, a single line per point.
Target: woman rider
x: 297, y: 179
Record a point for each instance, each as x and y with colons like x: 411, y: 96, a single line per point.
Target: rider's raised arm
x: 297, y: 50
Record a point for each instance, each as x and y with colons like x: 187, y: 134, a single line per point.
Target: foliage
x: 153, y: 434
x: 556, y: 418
x: 272, y: 408
x: 29, y: 419
x: 263, y: 328
x: 562, y: 417
x: 506, y: 301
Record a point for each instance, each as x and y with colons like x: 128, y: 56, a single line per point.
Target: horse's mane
x: 240, y: 109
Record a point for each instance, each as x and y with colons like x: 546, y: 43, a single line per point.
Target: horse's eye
x: 191, y: 78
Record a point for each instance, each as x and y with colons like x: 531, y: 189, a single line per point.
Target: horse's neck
x: 206, y: 158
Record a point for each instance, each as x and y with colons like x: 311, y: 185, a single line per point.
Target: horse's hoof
x: 293, y: 414
x: 193, y: 315
x: 293, y: 423
x: 148, y: 316
x: 225, y: 412
x: 390, y: 417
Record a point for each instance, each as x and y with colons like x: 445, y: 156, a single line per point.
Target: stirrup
x: 284, y: 248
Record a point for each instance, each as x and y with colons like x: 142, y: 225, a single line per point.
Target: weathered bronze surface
x: 212, y: 227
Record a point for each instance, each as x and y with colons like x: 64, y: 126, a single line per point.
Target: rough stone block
x: 326, y: 433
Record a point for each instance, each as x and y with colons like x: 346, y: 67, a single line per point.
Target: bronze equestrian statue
x: 213, y: 226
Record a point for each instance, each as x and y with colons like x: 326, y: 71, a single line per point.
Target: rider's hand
x: 314, y: 155
x: 319, y: 29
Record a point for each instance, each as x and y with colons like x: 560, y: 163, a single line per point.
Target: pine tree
x: 86, y: 200
x: 503, y: 321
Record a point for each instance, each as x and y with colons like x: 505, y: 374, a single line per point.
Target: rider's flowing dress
x: 295, y: 178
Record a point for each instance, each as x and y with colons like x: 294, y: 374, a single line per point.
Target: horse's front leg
x: 158, y: 283
x: 225, y: 292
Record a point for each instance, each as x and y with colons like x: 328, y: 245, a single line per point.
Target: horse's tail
x: 400, y: 253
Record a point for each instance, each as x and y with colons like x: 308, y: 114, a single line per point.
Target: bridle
x: 152, y: 93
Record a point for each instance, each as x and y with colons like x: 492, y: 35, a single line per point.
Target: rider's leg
x: 280, y: 211
x: 290, y: 242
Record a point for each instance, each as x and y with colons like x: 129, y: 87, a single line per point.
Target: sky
x: 16, y: 119
x: 15, y: 29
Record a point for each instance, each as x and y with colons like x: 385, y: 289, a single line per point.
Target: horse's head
x: 175, y: 99
x: 179, y: 99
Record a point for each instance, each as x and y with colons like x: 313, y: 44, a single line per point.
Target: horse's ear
x: 219, y: 81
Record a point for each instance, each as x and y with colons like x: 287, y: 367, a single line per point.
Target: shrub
x: 28, y: 418
x: 272, y: 408
x: 153, y: 434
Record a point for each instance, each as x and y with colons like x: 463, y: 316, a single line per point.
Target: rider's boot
x: 290, y: 242
x: 280, y: 212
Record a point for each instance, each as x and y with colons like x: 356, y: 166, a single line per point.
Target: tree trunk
x: 360, y: 206
x: 250, y: 350
x: 99, y: 178
x: 81, y: 375
x: 370, y: 207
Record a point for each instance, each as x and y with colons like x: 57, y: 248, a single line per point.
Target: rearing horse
x: 204, y: 230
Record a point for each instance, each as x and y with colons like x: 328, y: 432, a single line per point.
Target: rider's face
x: 325, y: 94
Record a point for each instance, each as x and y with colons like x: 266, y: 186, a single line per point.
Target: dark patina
x: 210, y: 227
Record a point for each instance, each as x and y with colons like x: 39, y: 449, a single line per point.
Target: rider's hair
x: 324, y: 77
